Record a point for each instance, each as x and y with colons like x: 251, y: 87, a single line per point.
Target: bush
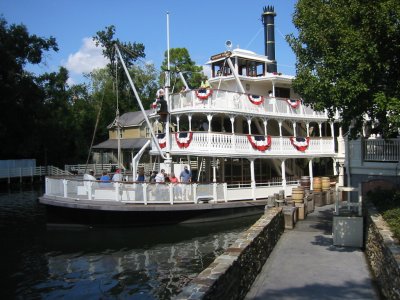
x: 388, y: 205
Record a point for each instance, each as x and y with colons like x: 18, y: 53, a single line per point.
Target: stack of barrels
x: 317, y: 184
x: 325, y: 184
x: 298, y: 194
x: 305, y: 182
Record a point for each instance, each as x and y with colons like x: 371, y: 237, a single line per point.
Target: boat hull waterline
x: 100, y: 213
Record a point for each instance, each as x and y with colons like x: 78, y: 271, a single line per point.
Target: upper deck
x: 240, y: 103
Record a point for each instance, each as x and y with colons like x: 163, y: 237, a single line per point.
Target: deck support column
x: 280, y: 135
x: 283, y: 170
x: 253, y: 179
x: 178, y: 118
x: 308, y: 129
x: 249, y: 124
x: 333, y: 137
x: 294, y: 129
x: 232, y: 119
x: 310, y: 172
x: 265, y: 126
x: 190, y: 122
x: 320, y: 136
x: 214, y: 166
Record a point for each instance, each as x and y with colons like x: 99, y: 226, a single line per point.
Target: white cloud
x: 88, y: 58
x: 207, y: 70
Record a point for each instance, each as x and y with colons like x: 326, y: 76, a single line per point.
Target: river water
x: 39, y: 261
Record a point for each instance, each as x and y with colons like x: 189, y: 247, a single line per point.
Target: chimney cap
x: 269, y: 9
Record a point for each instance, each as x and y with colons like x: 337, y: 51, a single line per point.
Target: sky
x: 202, y: 27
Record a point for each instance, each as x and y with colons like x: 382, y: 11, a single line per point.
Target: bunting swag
x: 255, y: 99
x: 294, y: 103
x: 183, y: 139
x: 260, y: 142
x: 162, y: 141
x: 300, y: 143
x: 203, y: 94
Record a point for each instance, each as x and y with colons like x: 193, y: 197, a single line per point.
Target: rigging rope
x: 95, y: 129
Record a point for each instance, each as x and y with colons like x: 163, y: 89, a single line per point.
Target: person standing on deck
x: 105, y: 180
x: 186, y: 179
x: 117, y: 176
x: 140, y: 177
x: 161, y: 191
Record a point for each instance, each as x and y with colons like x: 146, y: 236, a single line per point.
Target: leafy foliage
x: 388, y: 204
x: 42, y: 117
x: 348, y: 58
x: 21, y: 100
x: 180, y: 61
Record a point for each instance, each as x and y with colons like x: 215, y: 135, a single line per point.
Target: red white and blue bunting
x: 255, y: 99
x: 294, y: 103
x: 183, y: 139
x: 300, y: 143
x: 203, y: 94
x: 162, y: 141
x: 260, y: 142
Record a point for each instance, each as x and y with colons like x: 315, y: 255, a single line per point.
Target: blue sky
x: 200, y: 26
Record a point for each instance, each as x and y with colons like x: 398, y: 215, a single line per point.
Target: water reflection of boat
x: 257, y: 138
x: 154, y: 261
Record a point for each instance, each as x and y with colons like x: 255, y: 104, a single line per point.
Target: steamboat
x: 245, y: 136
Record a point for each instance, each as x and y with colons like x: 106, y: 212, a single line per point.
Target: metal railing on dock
x: 8, y: 173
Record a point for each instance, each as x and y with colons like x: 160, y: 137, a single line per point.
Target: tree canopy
x: 45, y: 118
x: 180, y: 61
x: 348, y: 58
x: 21, y: 98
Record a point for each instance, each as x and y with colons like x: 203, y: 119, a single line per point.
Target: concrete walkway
x: 305, y: 265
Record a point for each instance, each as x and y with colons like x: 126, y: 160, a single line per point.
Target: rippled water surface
x: 51, y: 262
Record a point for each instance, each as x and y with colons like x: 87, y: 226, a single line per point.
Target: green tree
x: 21, y: 98
x: 180, y: 61
x: 130, y: 52
x: 348, y: 58
x: 104, y: 93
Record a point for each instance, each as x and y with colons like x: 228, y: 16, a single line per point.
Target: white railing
x: 382, y: 150
x: 226, y: 143
x: 158, y: 193
x: 96, y: 168
x: 221, y: 100
x: 31, y: 172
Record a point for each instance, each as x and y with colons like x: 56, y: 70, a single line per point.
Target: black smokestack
x: 268, y: 19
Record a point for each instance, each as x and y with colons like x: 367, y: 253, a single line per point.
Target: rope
x: 94, y: 131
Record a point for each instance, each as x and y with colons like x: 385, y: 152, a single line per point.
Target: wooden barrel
x: 325, y: 183
x: 298, y: 194
x: 305, y: 182
x: 317, y: 184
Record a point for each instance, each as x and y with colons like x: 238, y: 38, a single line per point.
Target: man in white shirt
x: 117, y: 176
x: 160, y: 177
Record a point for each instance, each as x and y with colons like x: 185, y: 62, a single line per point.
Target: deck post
x: 310, y: 172
x: 283, y: 168
x: 171, y: 194
x: 144, y: 186
x: 90, y: 186
x: 225, y: 185
x: 253, y: 179
x: 117, y: 188
x: 65, y: 185
x: 194, y: 186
